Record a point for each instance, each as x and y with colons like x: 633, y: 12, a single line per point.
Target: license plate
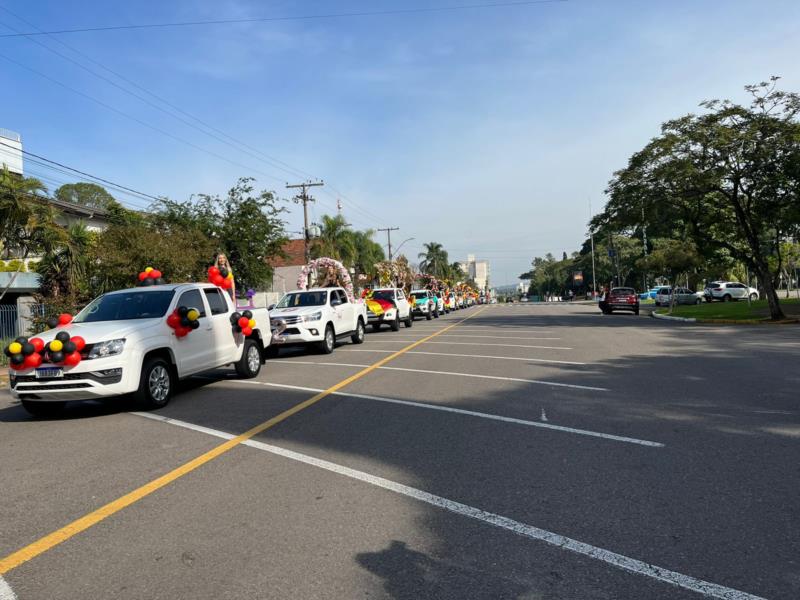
x: 49, y: 373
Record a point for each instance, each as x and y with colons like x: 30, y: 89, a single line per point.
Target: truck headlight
x: 109, y: 348
x: 313, y: 317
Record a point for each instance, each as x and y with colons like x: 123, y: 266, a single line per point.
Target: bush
x: 14, y: 264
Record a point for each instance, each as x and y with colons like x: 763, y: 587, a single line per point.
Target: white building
x: 11, y: 151
x: 478, y: 270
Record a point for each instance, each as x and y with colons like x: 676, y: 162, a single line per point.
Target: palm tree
x: 64, y: 264
x: 335, y: 241
x: 434, y: 260
x: 368, y: 253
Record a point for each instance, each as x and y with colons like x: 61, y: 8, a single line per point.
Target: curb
x: 655, y: 315
x: 723, y: 321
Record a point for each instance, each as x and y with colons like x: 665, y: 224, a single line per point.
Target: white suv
x: 729, y: 290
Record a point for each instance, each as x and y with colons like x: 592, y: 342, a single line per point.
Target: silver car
x: 682, y: 296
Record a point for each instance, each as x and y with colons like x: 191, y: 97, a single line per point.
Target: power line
x: 376, y: 13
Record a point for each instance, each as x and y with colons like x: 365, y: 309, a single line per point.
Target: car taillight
x: 717, y: 289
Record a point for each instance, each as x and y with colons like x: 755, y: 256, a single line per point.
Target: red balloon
x: 212, y: 272
x: 155, y: 274
x: 243, y: 322
x: 64, y: 319
x: 32, y: 360
x: 226, y: 284
x: 14, y: 367
x: 182, y: 331
x: 247, y: 331
x: 217, y: 279
x: 174, y: 320
x: 79, y: 342
x: 72, y: 359
x: 142, y: 276
x: 38, y: 344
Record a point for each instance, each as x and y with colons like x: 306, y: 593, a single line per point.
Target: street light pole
x: 305, y: 199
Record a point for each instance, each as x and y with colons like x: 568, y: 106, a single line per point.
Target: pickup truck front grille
x: 290, y: 320
x: 52, y: 386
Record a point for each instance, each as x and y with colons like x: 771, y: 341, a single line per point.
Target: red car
x: 621, y: 298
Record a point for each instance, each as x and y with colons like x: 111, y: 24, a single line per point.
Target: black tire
x: 698, y: 301
x: 396, y: 323
x: 428, y: 315
x: 410, y: 320
x: 727, y: 298
x: 358, y: 336
x: 156, y: 383
x: 753, y: 297
x: 376, y: 327
x: 249, y: 365
x: 43, y: 409
x: 636, y: 312
x: 327, y: 345
x: 436, y: 313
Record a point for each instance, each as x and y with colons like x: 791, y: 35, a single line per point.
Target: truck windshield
x: 296, y: 299
x: 126, y: 305
x: 387, y: 295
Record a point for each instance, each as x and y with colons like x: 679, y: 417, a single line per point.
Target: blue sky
x: 487, y: 130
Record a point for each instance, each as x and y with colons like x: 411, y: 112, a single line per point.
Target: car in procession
x: 388, y: 306
x: 138, y: 341
x: 425, y: 304
x: 317, y: 317
x: 450, y: 301
x: 620, y: 298
x: 442, y: 307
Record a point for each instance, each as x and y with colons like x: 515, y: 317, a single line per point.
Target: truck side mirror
x: 270, y: 307
x: 335, y: 302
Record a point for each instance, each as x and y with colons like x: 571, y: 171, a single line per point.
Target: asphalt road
x: 527, y: 452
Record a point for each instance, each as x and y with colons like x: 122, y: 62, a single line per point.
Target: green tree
x: 434, y: 261
x: 86, y: 194
x: 673, y: 258
x: 368, y: 253
x: 64, y: 267
x: 335, y: 241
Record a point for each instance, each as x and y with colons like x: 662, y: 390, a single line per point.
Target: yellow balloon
x: 15, y: 347
x: 56, y: 345
x: 193, y: 314
x: 148, y: 269
x: 251, y: 323
x: 230, y: 274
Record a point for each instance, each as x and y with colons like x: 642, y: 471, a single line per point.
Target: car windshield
x: 623, y: 291
x: 296, y: 299
x: 387, y: 295
x: 419, y: 293
x: 123, y: 306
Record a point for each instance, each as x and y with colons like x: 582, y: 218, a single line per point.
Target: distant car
x: 729, y: 290
x: 682, y: 296
x: 443, y: 310
x: 450, y: 302
x: 649, y: 294
x: 425, y: 304
x: 524, y: 299
x: 621, y: 298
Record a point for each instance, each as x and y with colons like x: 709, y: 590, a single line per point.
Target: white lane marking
x: 6, y: 593
x: 461, y: 411
x: 495, y: 337
x: 632, y: 565
x: 538, y: 360
x: 494, y: 377
x: 544, y: 417
x: 395, y: 341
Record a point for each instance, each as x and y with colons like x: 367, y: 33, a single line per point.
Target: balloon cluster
x: 221, y: 277
x: 243, y: 322
x: 59, y: 321
x: 183, y: 320
x: 150, y: 276
x: 24, y: 353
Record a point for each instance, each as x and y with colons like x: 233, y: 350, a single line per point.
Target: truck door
x: 194, y: 351
x: 225, y: 343
x: 342, y: 312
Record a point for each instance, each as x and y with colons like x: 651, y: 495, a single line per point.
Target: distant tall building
x: 11, y: 151
x: 478, y: 270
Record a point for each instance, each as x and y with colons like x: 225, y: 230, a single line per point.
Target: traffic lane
x: 54, y: 471
x: 250, y: 524
x: 665, y: 506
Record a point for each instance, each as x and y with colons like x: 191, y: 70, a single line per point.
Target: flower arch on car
x: 322, y: 263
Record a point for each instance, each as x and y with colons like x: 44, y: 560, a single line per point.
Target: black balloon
x: 69, y: 347
x: 22, y: 340
x: 6, y: 351
x: 17, y: 359
x: 182, y: 310
x: 237, y: 329
x: 224, y: 272
x: 247, y: 314
x: 185, y: 322
x: 159, y: 281
x: 28, y: 348
x: 56, y: 357
x: 62, y: 336
x: 52, y: 322
x: 235, y: 317
x: 147, y: 282
x: 194, y: 324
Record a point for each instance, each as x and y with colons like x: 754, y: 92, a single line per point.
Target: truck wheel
x: 376, y: 327
x: 249, y: 365
x: 410, y: 320
x: 753, y: 297
x: 327, y: 344
x: 396, y: 323
x: 358, y: 336
x: 155, y: 383
x: 43, y: 409
x: 727, y: 298
x: 428, y: 315
x: 436, y: 313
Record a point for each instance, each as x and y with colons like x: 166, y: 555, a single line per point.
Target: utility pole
x: 305, y: 199
x: 644, y: 246
x: 389, y: 231
x: 591, y: 233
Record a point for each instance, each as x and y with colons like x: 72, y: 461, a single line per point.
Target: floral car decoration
x: 322, y: 264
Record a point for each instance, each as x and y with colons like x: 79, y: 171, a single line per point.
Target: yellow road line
x: 59, y: 536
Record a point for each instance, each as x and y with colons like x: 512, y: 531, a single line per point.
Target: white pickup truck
x: 391, y: 316
x: 131, y: 349
x: 318, y: 317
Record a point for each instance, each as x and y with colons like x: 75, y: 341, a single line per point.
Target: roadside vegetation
x: 735, y: 311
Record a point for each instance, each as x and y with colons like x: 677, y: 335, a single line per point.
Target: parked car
x: 620, y: 298
x: 729, y: 290
x: 391, y: 316
x: 131, y: 349
x: 649, y: 294
x: 319, y: 317
x: 682, y: 296
x: 425, y: 304
x: 443, y: 310
x: 451, y: 301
